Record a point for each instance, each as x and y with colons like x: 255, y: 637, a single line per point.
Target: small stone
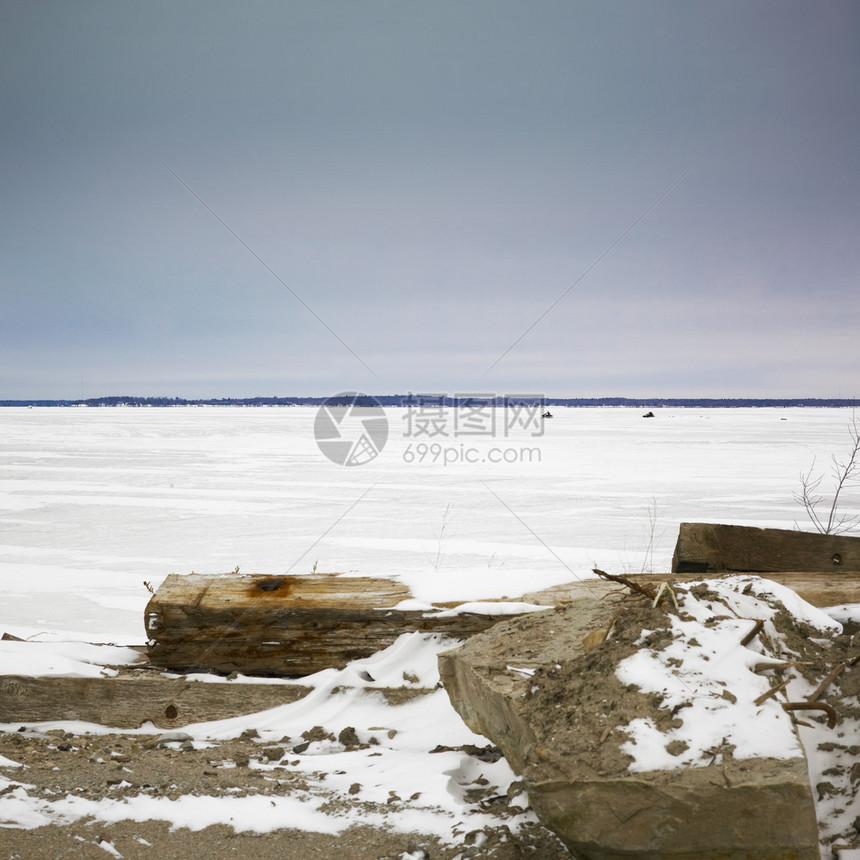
x: 273, y: 753
x: 167, y: 738
x: 355, y: 788
x: 515, y: 789
x: 826, y: 789
x: 317, y: 733
x: 348, y: 738
x: 677, y: 747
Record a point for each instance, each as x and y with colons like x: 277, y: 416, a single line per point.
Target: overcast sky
x: 394, y: 192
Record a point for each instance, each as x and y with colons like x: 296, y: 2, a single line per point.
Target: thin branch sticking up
x: 665, y: 588
x: 830, y: 678
x: 757, y: 628
x: 832, y: 523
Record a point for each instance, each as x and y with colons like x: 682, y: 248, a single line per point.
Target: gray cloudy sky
x: 429, y: 177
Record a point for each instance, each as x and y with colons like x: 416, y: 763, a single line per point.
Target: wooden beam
x: 710, y: 547
x: 284, y: 625
x: 129, y: 702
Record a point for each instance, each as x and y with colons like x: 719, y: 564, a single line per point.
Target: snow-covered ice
x: 93, y: 502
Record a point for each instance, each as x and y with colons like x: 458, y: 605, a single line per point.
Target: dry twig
x: 772, y: 692
x: 635, y: 587
x: 767, y: 665
x: 834, y: 673
x: 813, y: 706
x: 757, y: 628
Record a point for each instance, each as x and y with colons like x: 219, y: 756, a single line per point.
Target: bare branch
x: 843, y: 473
x: 644, y: 590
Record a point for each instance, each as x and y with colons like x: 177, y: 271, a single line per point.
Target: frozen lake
x: 93, y: 502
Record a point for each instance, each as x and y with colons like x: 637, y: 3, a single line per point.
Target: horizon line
x: 414, y: 398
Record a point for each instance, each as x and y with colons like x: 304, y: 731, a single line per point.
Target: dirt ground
x: 116, y: 765
x: 154, y: 839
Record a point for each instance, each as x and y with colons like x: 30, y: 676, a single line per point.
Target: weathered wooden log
x: 709, y: 547
x: 284, y: 625
x: 129, y: 702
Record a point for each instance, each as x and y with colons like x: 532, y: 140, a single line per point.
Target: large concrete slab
x: 554, y: 706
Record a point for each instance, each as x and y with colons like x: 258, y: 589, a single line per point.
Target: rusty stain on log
x: 269, y: 585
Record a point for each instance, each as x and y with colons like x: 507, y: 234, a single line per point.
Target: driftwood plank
x: 129, y: 702
x: 709, y: 547
x: 284, y: 625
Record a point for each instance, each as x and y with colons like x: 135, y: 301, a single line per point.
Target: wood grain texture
x: 710, y: 547
x: 129, y: 702
x: 284, y: 625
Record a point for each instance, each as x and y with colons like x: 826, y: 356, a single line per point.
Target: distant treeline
x: 416, y: 399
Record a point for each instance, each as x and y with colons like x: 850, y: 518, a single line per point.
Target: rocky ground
x: 58, y: 764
